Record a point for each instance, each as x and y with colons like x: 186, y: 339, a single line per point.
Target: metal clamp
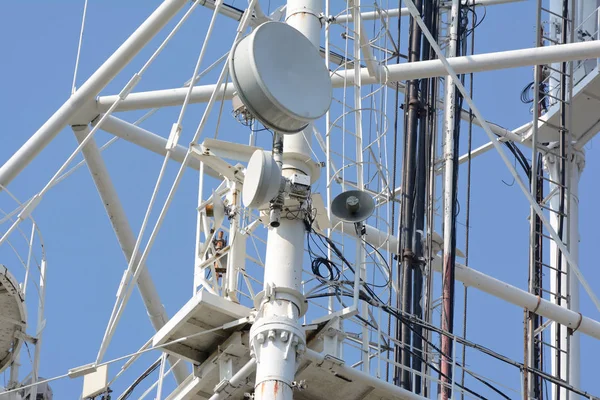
x: 539, y: 301
x: 578, y: 324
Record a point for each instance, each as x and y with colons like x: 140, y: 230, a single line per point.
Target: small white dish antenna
x: 280, y: 77
x: 353, y: 206
x: 437, y: 244
x: 262, y: 181
x: 218, y: 210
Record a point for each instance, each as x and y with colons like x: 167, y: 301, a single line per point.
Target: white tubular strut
x: 84, y: 96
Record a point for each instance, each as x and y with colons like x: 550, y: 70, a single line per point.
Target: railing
x: 23, y: 254
x: 587, y: 30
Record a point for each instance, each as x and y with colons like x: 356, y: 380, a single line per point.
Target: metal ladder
x: 553, y: 86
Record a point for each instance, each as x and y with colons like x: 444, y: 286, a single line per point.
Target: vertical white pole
x: 236, y: 259
x: 277, y: 336
x: 569, y: 365
x: 39, y: 329
x: 360, y: 252
x: 199, y: 272
x: 28, y: 266
x: 449, y: 198
x: 161, y: 376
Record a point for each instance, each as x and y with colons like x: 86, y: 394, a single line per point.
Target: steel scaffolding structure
x: 292, y: 301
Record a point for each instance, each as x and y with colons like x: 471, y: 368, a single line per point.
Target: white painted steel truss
x: 233, y: 269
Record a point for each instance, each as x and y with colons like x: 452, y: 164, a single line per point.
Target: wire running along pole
x: 497, y: 145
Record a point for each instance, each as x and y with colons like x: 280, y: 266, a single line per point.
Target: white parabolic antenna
x: 12, y: 310
x: 262, y: 181
x: 280, y: 77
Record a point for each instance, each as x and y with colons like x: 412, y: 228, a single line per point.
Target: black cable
x: 410, y: 324
x: 411, y: 327
x: 468, y: 207
x: 526, y: 96
x: 520, y: 157
x: 387, y: 265
x: 139, y: 380
x: 370, y: 294
x: 332, y: 269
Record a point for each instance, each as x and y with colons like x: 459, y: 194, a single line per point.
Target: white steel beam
x: 503, y: 134
x: 524, y: 299
x: 164, y: 98
x: 371, y: 15
x: 120, y: 224
x: 86, y: 93
x: 398, y: 72
x: 236, y: 380
x: 493, y: 286
x: 480, y: 62
x: 148, y: 140
x: 394, y: 12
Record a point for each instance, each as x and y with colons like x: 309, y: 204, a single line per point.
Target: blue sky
x: 84, y: 260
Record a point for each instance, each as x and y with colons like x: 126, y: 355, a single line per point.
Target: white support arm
x: 394, y: 12
x: 86, y: 93
x: 148, y: 140
x: 120, y: 223
x: 397, y: 72
x: 493, y: 286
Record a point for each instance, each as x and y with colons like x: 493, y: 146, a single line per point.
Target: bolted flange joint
x: 277, y: 334
x: 277, y: 329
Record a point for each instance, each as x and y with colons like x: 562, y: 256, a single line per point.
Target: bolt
x: 284, y: 335
x: 352, y: 204
x: 260, y: 338
x: 271, y: 335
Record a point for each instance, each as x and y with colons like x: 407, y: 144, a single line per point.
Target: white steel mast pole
x: 448, y: 265
x: 277, y: 336
x: 84, y: 96
x: 570, y: 364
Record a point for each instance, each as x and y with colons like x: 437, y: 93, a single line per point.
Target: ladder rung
x: 545, y: 236
x: 558, y: 128
x: 550, y: 267
x: 552, y: 294
x: 553, y: 182
x: 551, y: 40
x: 556, y: 98
x: 556, y: 70
x: 557, y: 155
x: 555, y: 14
x: 554, y: 211
x: 549, y: 345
